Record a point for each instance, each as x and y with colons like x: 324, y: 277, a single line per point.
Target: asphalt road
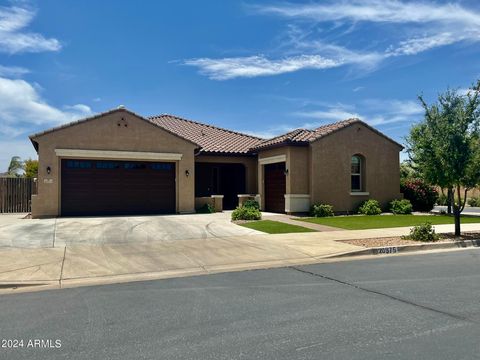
x: 399, y: 307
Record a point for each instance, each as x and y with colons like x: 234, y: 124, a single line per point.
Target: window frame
x: 359, y: 174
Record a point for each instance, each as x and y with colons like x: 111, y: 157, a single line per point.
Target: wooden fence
x: 16, y: 195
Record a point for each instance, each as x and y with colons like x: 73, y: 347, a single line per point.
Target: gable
x: 110, y: 129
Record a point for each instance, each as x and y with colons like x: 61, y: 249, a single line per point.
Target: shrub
x: 474, y: 201
x: 205, y: 209
x: 321, y: 210
x: 421, y: 195
x: 403, y: 206
x: 424, y: 232
x: 252, y: 204
x: 370, y: 207
x: 246, y: 213
x: 442, y: 200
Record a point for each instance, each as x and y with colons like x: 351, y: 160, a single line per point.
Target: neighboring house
x: 5, y: 174
x: 118, y: 162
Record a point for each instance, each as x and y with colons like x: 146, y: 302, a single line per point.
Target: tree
x: 15, y: 166
x: 445, y: 146
x: 31, y: 168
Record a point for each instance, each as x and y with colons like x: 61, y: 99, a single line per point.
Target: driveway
x: 15, y: 231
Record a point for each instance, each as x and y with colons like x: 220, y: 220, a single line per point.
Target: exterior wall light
x: 187, y: 173
x: 285, y: 172
x: 49, y: 170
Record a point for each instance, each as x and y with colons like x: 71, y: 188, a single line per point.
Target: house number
x: 388, y: 250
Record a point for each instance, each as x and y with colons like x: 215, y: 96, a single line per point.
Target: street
x: 399, y: 307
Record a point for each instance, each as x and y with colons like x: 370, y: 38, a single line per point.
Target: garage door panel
x: 91, y: 187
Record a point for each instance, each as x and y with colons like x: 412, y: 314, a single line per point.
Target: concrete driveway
x: 15, y: 231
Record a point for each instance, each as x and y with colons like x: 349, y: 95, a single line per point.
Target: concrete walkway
x: 75, y: 265
x: 289, y: 219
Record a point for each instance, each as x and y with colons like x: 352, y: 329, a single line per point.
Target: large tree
x: 31, y: 168
x: 16, y: 165
x: 445, y: 146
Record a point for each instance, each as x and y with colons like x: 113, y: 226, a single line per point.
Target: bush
x: 474, y: 201
x: 402, y: 207
x: 246, y: 213
x: 370, y: 207
x: 424, y: 232
x: 421, y: 195
x: 321, y: 210
x: 252, y: 204
x: 205, y: 209
x: 442, y: 200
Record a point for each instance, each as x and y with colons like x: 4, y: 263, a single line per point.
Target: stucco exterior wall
x: 330, y: 180
x: 250, y: 163
x: 104, y: 133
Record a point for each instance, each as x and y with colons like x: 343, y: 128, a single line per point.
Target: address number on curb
x: 388, y: 250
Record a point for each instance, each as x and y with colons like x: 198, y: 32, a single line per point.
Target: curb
x: 390, y: 250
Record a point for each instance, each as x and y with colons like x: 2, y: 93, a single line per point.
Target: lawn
x: 275, y: 227
x: 385, y: 221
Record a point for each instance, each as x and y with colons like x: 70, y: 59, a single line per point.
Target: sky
x: 261, y: 67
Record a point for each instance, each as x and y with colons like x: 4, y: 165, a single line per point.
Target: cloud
x: 13, y: 37
x: 380, y: 11
x: 22, y: 107
x: 12, y: 71
x: 423, y: 25
x: 253, y: 66
x: 373, y: 111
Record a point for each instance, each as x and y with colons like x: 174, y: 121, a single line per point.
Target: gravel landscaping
x: 398, y: 241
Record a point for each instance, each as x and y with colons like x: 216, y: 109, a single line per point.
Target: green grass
x: 275, y: 227
x: 385, y: 221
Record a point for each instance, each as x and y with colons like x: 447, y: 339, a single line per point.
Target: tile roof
x: 211, y: 138
x: 303, y: 136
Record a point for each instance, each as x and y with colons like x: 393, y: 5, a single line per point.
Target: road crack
x: 391, y: 297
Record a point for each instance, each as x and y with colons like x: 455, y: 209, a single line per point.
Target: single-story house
x: 118, y: 162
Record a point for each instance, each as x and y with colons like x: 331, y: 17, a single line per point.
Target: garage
x: 275, y: 187
x: 106, y: 187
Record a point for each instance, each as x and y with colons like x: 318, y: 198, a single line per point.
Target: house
x: 118, y: 162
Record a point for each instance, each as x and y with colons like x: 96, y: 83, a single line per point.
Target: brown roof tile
x: 210, y: 138
x: 302, y: 136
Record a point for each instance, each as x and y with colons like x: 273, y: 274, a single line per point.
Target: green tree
x: 445, y: 146
x: 407, y: 171
x: 16, y: 165
x: 31, y: 168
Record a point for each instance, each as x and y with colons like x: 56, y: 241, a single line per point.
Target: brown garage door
x: 275, y: 185
x: 99, y: 187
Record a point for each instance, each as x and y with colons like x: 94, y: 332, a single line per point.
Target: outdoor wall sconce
x: 285, y: 172
x: 49, y: 170
x: 187, y: 173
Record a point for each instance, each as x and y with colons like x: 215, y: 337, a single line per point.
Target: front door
x: 275, y: 187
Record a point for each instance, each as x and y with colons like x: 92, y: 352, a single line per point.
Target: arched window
x: 357, y: 170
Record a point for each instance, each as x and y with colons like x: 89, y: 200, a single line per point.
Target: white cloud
x: 12, y: 71
x: 428, y: 25
x: 253, y: 66
x: 381, y: 11
x: 373, y: 111
x: 13, y: 37
x: 21, y: 106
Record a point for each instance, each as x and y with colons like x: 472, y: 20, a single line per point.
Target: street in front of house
x: 409, y: 307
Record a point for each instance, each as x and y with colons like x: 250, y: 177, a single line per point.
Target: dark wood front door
x: 275, y: 186
x: 101, y: 187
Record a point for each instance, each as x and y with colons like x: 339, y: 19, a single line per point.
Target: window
x: 356, y: 173
x: 79, y: 164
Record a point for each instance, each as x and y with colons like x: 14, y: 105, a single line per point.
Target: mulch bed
x: 397, y: 241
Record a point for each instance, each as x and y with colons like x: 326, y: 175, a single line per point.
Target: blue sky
x: 263, y: 67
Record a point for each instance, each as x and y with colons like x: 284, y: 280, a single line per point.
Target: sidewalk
x: 99, y: 264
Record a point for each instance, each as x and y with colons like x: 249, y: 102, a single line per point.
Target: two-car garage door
x: 104, y: 187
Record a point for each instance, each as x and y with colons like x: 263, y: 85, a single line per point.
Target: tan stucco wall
x: 103, y: 133
x: 249, y: 162
x: 330, y: 168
